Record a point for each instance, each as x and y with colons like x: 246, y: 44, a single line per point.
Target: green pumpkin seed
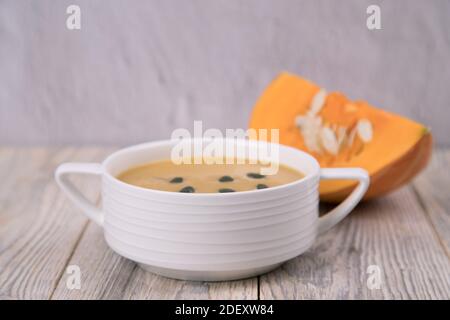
x: 177, y: 180
x: 255, y: 175
x: 226, y: 190
x: 226, y: 179
x: 188, y: 189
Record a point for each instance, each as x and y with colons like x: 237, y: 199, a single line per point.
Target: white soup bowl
x: 216, y: 236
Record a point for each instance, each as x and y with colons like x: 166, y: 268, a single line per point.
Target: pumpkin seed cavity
x: 320, y: 137
x: 177, y: 180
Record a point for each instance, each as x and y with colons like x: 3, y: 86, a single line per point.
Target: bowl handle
x: 333, y: 217
x: 61, y: 176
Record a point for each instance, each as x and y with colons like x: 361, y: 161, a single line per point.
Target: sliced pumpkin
x: 339, y: 133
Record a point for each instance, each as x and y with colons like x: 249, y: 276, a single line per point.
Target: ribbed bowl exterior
x: 209, y: 236
x: 233, y: 231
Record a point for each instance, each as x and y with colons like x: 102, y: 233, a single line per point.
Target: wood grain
x: 39, y: 227
x: 406, y: 234
x: 104, y: 274
x: 144, y: 285
x: 392, y: 233
x: 433, y: 190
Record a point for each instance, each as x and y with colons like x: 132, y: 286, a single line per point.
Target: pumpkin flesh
x: 398, y: 149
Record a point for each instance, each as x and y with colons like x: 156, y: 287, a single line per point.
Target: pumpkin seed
x: 364, y: 130
x: 310, y: 126
x: 226, y: 190
x: 318, y: 102
x: 188, y: 189
x: 226, y: 179
x: 177, y: 180
x: 329, y: 140
x: 255, y: 175
x: 262, y: 186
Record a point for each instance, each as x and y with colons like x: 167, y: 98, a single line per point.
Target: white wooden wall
x: 139, y: 69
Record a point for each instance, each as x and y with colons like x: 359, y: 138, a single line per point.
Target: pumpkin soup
x: 206, y: 178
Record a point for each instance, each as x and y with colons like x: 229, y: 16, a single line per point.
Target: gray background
x: 139, y: 69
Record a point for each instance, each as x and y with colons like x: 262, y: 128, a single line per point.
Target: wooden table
x: 406, y: 235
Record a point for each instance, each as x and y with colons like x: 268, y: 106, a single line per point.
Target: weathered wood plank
x: 41, y: 232
x: 433, y: 190
x: 392, y: 233
x: 144, y: 285
x: 106, y: 275
x: 38, y: 226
